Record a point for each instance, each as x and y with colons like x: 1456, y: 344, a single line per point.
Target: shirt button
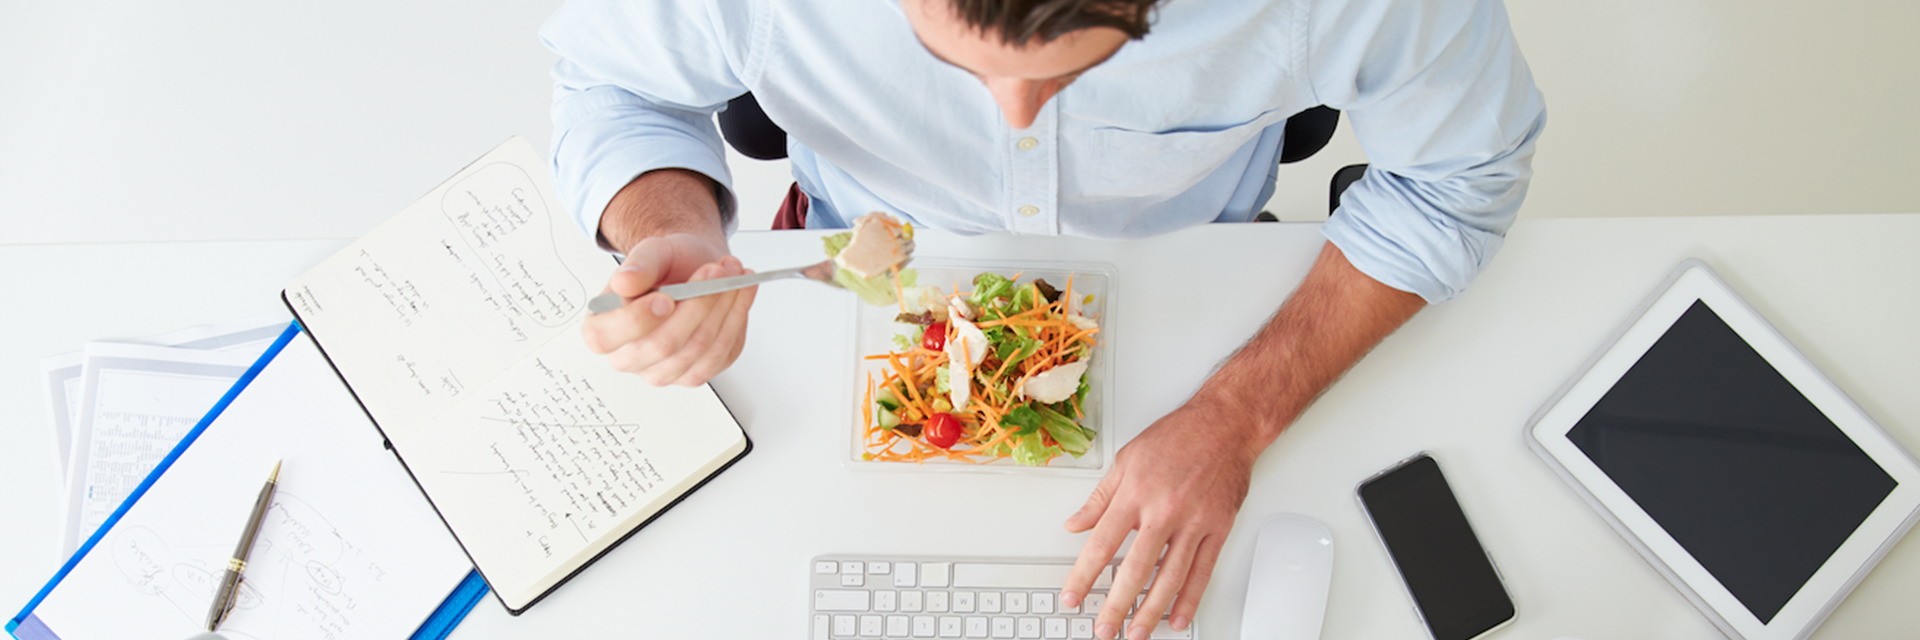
x: 1027, y: 144
x: 1029, y: 211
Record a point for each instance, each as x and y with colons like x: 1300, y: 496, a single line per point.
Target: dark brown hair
x: 1020, y: 22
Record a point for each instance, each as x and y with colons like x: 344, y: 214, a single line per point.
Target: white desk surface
x: 1460, y: 380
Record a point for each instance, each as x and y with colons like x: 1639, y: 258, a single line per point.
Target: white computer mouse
x: 1287, y: 589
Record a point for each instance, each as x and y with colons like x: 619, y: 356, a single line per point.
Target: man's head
x: 1025, y: 51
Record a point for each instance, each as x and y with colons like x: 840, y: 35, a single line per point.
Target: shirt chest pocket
x: 1133, y: 163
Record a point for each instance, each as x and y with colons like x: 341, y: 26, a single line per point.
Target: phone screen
x: 1452, y: 580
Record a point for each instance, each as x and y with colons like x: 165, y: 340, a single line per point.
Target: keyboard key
x: 1056, y: 628
x: 843, y: 626
x: 976, y: 627
x: 828, y: 567
x: 935, y: 574
x: 1016, y: 602
x: 878, y: 568
x: 855, y: 568
x: 963, y: 602
x: 869, y: 626
x: 923, y: 626
x: 903, y: 576
x: 1043, y: 602
x: 1029, y: 627
x: 896, y: 626
x: 1074, y: 609
x: 1162, y: 631
x: 1094, y: 602
x: 1003, y: 627
x: 1080, y: 628
x: 977, y: 575
x: 911, y: 601
x: 989, y: 602
x: 884, y: 601
x: 839, y: 600
x: 822, y: 626
x: 852, y: 580
x: 937, y: 601
x: 949, y: 626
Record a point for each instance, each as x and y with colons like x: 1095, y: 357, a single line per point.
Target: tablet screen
x: 1739, y: 467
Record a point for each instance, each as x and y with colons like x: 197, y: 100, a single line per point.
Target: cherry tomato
x: 942, y: 430
x: 935, y: 338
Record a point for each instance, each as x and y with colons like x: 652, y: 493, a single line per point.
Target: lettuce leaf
x: 1032, y: 452
x: 1016, y: 348
x: 1033, y: 417
x: 988, y: 286
x: 837, y: 241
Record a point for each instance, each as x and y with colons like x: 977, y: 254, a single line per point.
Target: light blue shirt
x: 1179, y: 129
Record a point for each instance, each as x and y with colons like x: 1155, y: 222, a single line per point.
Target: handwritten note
x: 503, y: 222
x: 451, y: 292
x: 400, y: 294
x: 568, y: 455
x: 548, y: 462
x: 303, y: 570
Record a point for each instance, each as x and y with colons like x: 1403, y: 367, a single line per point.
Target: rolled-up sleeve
x: 1446, y: 110
x: 635, y: 90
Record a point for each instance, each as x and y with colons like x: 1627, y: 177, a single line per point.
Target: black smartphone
x: 1456, y: 590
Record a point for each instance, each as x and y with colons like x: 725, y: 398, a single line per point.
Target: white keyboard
x: 927, y: 597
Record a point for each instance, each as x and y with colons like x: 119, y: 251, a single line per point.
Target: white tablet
x: 1734, y: 466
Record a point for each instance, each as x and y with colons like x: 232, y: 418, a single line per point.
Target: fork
x: 821, y: 271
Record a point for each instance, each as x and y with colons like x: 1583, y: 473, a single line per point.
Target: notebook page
x: 453, y: 290
x: 559, y: 457
x: 348, y: 549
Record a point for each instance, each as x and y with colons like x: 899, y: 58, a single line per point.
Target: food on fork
x: 869, y: 260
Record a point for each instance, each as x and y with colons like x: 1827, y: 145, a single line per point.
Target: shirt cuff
x: 1433, y: 259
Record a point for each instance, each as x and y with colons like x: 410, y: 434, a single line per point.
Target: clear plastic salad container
x: 875, y: 327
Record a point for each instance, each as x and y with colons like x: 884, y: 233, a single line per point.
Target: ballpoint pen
x: 230, y: 583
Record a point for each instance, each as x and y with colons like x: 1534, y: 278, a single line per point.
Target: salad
x: 999, y: 372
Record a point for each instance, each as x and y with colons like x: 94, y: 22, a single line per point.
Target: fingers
x: 713, y: 344
x: 1132, y: 577
x: 1167, y: 582
x: 1100, y: 547
x: 610, y: 331
x: 664, y: 350
x: 646, y: 265
x: 731, y: 338
x: 1204, y: 559
x: 1089, y: 513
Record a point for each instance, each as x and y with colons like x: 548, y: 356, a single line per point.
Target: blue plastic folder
x: 27, y: 626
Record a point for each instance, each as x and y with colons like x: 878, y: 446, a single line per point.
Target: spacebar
x: 976, y: 575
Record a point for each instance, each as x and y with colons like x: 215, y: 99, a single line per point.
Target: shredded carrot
x: 899, y: 295
x: 866, y: 408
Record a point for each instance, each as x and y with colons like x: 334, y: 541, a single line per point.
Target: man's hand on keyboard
x: 1179, y: 484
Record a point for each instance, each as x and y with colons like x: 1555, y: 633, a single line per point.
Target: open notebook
x: 457, y: 326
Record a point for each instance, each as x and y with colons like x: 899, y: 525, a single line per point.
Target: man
x: 1059, y: 117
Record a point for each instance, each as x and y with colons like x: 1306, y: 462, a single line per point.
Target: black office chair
x: 748, y: 129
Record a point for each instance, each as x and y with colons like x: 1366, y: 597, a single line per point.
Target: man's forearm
x: 1330, y: 322
x: 659, y: 203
